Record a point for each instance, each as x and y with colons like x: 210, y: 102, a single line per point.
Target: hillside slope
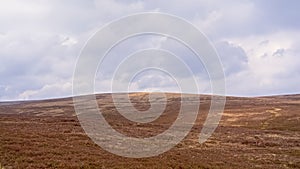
x: 262, y: 132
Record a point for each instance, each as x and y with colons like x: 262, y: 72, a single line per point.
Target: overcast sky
x: 258, y: 44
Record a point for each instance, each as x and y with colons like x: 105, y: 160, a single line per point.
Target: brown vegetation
x: 259, y: 132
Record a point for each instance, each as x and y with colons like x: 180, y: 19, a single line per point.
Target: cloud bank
x: 258, y: 44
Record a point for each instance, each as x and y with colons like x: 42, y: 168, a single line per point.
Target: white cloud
x: 68, y: 41
x: 258, y: 43
x: 48, y: 91
x: 273, y: 65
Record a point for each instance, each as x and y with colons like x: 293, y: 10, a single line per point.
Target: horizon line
x: 70, y: 97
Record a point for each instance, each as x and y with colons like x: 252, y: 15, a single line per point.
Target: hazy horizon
x: 71, y: 96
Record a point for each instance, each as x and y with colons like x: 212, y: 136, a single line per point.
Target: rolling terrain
x: 258, y: 132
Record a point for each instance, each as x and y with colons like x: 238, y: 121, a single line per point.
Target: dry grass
x: 46, y: 134
x: 1, y: 167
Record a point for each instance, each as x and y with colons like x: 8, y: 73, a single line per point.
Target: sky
x: 257, y: 42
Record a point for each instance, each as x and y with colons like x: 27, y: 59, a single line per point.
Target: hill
x: 260, y: 132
